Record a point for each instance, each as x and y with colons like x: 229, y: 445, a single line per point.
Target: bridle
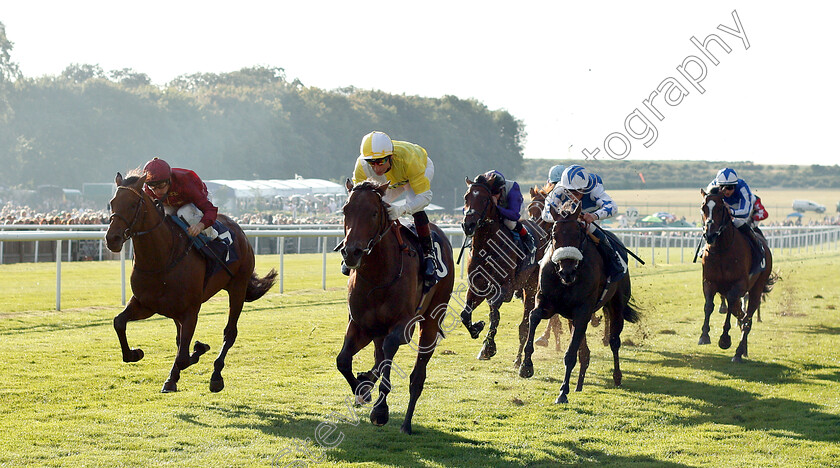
x: 583, y: 238
x: 382, y: 229
x: 128, y: 232
x: 727, y: 219
x: 482, y: 219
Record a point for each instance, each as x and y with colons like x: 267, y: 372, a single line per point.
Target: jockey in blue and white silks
x: 741, y: 201
x: 588, y: 189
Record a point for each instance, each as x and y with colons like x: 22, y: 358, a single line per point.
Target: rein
x: 128, y: 234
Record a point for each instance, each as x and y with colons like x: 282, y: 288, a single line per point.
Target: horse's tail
x: 768, y: 286
x: 257, y: 287
x: 631, y: 311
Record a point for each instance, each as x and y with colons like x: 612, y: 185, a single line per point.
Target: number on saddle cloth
x: 216, y: 250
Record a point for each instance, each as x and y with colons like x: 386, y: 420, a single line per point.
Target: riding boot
x: 429, y: 263
x: 616, y: 268
x: 530, y: 248
x: 757, y: 247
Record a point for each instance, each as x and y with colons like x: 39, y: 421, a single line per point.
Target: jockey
x: 737, y: 194
x: 588, y: 189
x: 408, y: 169
x: 508, y: 200
x: 183, y: 193
x: 554, y: 175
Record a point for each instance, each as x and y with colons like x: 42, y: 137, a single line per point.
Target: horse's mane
x: 130, y: 180
x: 365, y: 185
x: 714, y: 191
x: 544, y: 191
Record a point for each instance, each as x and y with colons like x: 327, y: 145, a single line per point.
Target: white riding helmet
x: 555, y: 174
x: 726, y: 176
x: 574, y: 178
x: 376, y: 145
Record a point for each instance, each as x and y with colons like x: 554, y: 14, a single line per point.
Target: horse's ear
x: 348, y: 184
x: 142, y: 180
x: 468, y: 181
x: 382, y: 188
x: 118, y: 180
x: 703, y: 192
x: 533, y: 192
x: 554, y: 214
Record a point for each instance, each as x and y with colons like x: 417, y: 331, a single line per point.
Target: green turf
x: 69, y: 400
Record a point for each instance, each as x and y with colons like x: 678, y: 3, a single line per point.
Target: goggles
x: 158, y: 184
x: 378, y: 161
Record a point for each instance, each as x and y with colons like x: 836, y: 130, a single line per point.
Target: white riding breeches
x: 192, y: 215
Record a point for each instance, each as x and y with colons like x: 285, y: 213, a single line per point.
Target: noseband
x: 579, y: 247
x: 128, y: 233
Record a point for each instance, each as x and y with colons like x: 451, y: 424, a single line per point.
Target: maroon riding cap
x: 157, y: 170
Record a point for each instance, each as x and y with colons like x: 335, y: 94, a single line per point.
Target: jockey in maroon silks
x: 183, y: 193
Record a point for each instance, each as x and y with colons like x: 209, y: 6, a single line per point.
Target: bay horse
x: 168, y: 277
x: 574, y: 285
x: 535, y: 209
x: 493, y: 270
x: 726, y: 271
x: 386, y: 297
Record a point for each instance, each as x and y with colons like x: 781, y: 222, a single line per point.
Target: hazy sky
x: 572, y: 72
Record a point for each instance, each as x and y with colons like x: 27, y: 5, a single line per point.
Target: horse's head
x: 128, y: 211
x: 365, y: 220
x: 567, y: 238
x: 535, y: 206
x: 479, y: 209
x: 716, y: 216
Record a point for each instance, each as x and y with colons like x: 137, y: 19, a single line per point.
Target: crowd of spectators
x: 15, y: 214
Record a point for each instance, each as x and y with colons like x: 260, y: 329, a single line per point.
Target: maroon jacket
x: 186, y: 187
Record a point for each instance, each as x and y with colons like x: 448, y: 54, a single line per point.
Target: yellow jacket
x: 408, y: 166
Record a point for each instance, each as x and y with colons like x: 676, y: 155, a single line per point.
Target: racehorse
x: 535, y: 209
x: 386, y: 297
x: 726, y: 271
x: 169, y: 277
x: 573, y: 284
x: 494, y: 266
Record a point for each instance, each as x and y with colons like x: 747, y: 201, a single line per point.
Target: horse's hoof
x: 541, y: 341
x: 595, y: 320
x: 379, y: 415
x: 487, y: 351
x: 704, y: 339
x: 737, y: 359
x: 200, y: 348
x: 725, y: 342
x: 216, y: 386
x: 561, y: 399
x: 476, y: 328
x: 526, y: 371
x: 406, y: 428
x: 136, y: 355
x: 169, y: 387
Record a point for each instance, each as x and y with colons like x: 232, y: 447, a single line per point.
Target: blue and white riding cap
x: 575, y: 178
x: 726, y: 176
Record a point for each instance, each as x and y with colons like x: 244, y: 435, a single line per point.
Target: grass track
x: 69, y: 400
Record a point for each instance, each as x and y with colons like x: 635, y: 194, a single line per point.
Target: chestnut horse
x: 494, y: 273
x: 572, y: 284
x: 386, y: 297
x: 726, y: 271
x: 169, y: 277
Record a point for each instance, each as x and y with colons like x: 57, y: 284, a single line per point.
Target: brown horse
x: 573, y: 284
x: 535, y: 209
x: 169, y: 278
x: 494, y: 273
x: 726, y: 267
x: 386, y: 297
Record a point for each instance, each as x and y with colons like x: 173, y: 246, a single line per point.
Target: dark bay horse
x: 726, y: 267
x: 386, y: 299
x: 572, y: 284
x: 494, y: 275
x: 169, y: 278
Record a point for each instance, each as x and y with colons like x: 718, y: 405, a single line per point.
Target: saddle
x: 409, y: 232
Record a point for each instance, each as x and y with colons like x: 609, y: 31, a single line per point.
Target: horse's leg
x: 429, y: 330
x: 555, y: 324
x: 570, y: 359
x: 236, y: 299
x: 182, y: 359
x: 473, y: 301
x: 733, y: 309
x: 539, y: 313
x: 583, y: 358
x: 354, y: 339
x: 523, y: 325
x: 133, y: 311
x: 488, y: 350
x: 616, y: 311
x: 708, y: 307
x: 543, y: 339
x: 398, y: 336
x: 367, y: 380
x: 746, y: 326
